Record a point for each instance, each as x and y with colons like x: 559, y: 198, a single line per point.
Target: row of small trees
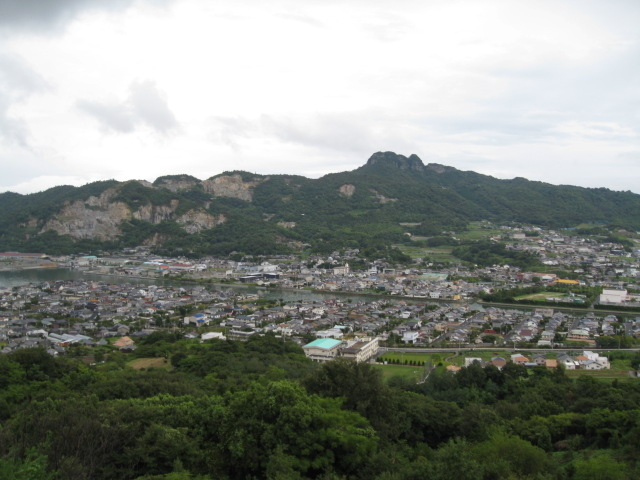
x: 398, y: 361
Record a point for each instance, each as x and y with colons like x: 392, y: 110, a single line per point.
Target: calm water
x: 23, y: 277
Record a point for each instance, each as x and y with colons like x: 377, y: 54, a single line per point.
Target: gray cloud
x: 494, y: 127
x: 343, y: 132
x: 388, y: 28
x: 150, y: 106
x: 306, y: 19
x: 628, y: 159
x: 20, y: 165
x: 51, y: 15
x: 18, y: 76
x: 327, y: 131
x: 551, y: 103
x: 12, y: 130
x: 36, y: 12
x: 354, y: 134
x: 111, y: 116
x: 145, y: 105
x: 17, y: 82
x: 229, y: 130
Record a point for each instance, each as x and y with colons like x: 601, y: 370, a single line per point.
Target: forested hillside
x: 382, y: 202
x: 260, y: 409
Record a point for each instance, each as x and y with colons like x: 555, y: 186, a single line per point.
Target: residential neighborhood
x: 63, y: 315
x: 324, y: 304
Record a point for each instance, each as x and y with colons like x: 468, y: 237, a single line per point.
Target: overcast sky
x: 122, y: 89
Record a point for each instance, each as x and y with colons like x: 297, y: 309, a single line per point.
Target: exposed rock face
x: 100, y: 217
x: 231, y: 186
x: 178, y: 184
x: 195, y: 221
x: 31, y: 223
x: 347, y: 190
x: 287, y: 224
x: 382, y: 199
x: 155, y: 240
x: 156, y: 213
x: 82, y: 220
x: 437, y: 168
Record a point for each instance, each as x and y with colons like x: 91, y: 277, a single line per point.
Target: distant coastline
x: 19, y: 268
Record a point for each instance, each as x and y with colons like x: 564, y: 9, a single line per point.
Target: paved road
x: 492, y: 349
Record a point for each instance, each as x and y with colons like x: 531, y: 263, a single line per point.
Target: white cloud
x: 43, y: 182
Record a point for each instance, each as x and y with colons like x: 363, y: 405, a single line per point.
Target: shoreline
x: 312, y: 291
x: 30, y: 267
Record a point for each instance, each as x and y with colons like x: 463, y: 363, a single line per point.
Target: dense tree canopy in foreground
x: 261, y: 410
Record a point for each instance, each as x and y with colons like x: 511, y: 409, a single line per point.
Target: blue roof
x: 327, y: 343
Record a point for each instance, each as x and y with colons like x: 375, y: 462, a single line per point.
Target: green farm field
x: 436, y: 254
x: 609, y: 375
x: 476, y: 232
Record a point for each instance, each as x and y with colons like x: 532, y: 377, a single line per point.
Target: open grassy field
x: 146, y: 363
x: 417, y: 356
x: 389, y: 371
x: 434, y: 358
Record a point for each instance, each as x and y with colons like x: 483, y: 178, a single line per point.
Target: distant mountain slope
x: 377, y: 204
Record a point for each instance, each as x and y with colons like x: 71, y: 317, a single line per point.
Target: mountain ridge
x: 242, y: 211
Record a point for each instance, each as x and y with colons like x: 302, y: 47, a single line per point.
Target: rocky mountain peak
x: 176, y: 183
x: 401, y: 162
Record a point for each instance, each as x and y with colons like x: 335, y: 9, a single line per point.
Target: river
x: 9, y: 279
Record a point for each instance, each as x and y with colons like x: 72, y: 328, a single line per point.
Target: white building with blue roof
x: 322, y: 349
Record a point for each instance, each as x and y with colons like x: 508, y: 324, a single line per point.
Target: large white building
x: 325, y: 349
x: 361, y: 350
x: 613, y: 296
x: 322, y: 349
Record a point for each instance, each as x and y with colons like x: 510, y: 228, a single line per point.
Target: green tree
x: 600, y: 466
x: 278, y: 427
x: 635, y: 361
x: 506, y: 456
x: 455, y: 461
x: 363, y: 390
x: 33, y: 467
